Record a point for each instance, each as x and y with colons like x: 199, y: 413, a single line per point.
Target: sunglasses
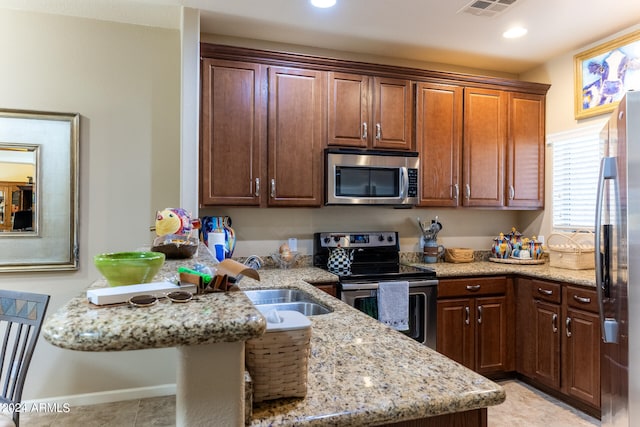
x: 149, y: 300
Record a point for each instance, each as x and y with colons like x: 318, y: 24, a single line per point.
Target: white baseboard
x: 106, y: 396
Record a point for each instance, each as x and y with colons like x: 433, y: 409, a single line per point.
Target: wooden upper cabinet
x: 525, y: 151
x: 369, y: 112
x: 439, y: 142
x: 348, y: 116
x: 392, y: 113
x: 296, y: 135
x: 485, y: 128
x: 232, y: 132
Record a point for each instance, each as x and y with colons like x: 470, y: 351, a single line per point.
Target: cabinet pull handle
x: 473, y: 287
x: 364, y: 130
x: 512, y: 192
x: 582, y: 300
x: 456, y: 191
x: 378, y: 131
x: 467, y: 314
x: 547, y: 292
x: 554, y: 323
x: 568, y: 326
x: 257, y: 192
x: 479, y: 314
x: 467, y: 189
x: 273, y: 188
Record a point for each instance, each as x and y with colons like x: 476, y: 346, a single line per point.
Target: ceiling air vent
x: 488, y: 8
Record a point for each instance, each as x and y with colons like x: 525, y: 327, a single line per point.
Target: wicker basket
x: 458, y: 255
x: 573, y: 251
x: 278, y: 360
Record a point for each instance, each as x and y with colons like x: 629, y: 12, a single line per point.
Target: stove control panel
x: 359, y: 239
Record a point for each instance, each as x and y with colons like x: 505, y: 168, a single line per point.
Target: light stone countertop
x: 208, y: 319
x: 361, y: 372
x: 488, y: 268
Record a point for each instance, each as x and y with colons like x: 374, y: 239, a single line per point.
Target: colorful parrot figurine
x: 173, y: 221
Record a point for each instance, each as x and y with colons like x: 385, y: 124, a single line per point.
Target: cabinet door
x: 525, y: 147
x: 547, y: 336
x: 392, y: 113
x: 233, y: 133
x: 439, y: 142
x: 484, y: 147
x: 581, y: 354
x: 348, y: 116
x: 491, y: 334
x: 297, y: 100
x: 455, y: 335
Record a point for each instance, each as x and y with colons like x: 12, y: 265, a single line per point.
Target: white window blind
x: 576, y: 164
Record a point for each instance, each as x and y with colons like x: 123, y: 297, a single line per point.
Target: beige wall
x: 560, y: 115
x: 124, y: 81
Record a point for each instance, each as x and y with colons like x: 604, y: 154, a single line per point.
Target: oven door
x: 422, y: 306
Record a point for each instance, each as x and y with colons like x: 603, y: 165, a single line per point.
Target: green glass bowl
x: 129, y: 268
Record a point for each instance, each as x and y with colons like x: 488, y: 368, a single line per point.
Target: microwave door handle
x: 608, y: 325
x: 404, y: 182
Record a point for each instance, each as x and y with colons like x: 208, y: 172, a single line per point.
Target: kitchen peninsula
x: 360, y: 371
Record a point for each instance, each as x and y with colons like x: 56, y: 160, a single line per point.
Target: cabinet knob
x: 467, y: 189
x: 257, y: 188
x: 568, y: 327
x: 378, y: 131
x: 456, y: 191
x: 467, y: 315
x: 473, y: 288
x: 273, y: 187
x: 547, y: 292
x: 554, y: 323
x: 512, y: 192
x: 364, y: 130
x: 479, y: 314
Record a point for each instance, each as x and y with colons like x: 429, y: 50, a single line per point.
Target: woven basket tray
x: 573, y: 251
x: 277, y: 362
x: 458, y: 255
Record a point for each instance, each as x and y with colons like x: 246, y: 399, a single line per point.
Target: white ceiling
x: 422, y: 30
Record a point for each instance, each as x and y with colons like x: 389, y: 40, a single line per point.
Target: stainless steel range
x: 374, y: 257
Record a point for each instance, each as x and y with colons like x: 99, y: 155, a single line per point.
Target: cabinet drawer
x: 546, y: 291
x: 472, y: 287
x: 581, y: 298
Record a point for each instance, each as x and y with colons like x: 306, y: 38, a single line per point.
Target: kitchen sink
x: 286, y: 299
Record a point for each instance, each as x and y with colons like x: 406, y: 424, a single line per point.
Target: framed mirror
x: 38, y: 190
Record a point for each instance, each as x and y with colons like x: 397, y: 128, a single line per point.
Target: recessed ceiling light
x: 323, y: 3
x: 514, y: 33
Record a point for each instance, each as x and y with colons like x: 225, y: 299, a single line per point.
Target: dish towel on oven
x: 393, y: 304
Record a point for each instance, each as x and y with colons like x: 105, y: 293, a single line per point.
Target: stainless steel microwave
x: 367, y: 177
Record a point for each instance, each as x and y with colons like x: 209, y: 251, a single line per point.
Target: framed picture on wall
x: 604, y: 73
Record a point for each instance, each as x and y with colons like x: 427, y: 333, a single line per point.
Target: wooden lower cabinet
x: 546, y: 337
x: 329, y: 287
x: 472, y: 418
x: 558, y: 340
x: 475, y: 323
x: 581, y: 345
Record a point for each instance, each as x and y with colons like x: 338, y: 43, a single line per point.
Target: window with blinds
x: 576, y: 164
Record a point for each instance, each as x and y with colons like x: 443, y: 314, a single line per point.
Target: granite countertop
x: 362, y: 372
x: 209, y: 318
x: 487, y: 268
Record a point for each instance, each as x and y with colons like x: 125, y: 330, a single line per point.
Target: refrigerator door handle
x: 609, y: 326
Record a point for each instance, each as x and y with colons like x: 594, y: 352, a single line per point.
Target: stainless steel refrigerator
x: 618, y: 265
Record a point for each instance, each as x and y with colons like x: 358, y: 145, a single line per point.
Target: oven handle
x: 374, y: 285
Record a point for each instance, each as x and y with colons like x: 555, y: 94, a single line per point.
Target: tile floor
x: 524, y: 407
